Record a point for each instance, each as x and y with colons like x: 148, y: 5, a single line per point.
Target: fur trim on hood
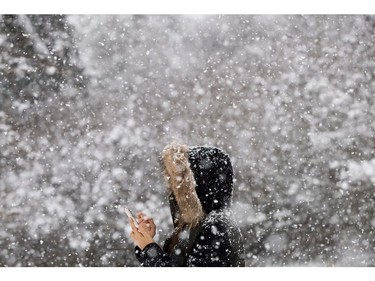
x: 181, y: 183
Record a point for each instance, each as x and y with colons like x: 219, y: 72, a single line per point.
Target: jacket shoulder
x: 213, y: 245
x: 222, y: 219
x: 218, y: 224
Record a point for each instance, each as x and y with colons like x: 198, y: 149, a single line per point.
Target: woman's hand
x: 148, y: 223
x: 140, y: 235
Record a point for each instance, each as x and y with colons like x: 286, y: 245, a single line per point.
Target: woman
x: 200, y: 184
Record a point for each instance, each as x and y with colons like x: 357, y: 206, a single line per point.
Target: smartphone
x: 130, y: 215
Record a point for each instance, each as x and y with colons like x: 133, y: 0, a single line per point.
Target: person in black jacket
x: 200, y: 184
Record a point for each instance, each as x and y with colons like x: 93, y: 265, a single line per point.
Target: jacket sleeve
x: 153, y: 256
x: 212, y: 247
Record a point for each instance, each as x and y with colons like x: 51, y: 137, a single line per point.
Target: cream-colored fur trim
x: 181, y: 182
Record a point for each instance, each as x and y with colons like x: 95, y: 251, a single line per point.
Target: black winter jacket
x: 200, y: 180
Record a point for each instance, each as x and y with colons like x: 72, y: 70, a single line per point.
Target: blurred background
x: 87, y: 103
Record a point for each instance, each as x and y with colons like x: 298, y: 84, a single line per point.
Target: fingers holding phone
x: 140, y: 234
x: 140, y: 217
x: 148, y: 223
x: 150, y: 226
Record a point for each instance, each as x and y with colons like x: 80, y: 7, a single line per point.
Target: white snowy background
x: 87, y: 103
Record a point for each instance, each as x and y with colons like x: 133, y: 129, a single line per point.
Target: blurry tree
x: 42, y: 88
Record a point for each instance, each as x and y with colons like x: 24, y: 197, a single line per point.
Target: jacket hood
x: 199, y: 179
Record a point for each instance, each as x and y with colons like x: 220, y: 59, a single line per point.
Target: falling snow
x: 87, y: 104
